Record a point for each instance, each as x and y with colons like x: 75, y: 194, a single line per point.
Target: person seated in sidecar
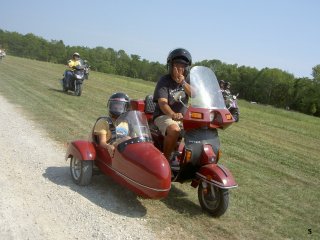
x: 75, y: 61
x: 168, y: 111
x: 109, y: 135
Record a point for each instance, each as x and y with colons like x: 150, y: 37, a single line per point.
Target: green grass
x: 272, y: 153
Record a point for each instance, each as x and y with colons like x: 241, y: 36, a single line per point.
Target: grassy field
x: 272, y: 153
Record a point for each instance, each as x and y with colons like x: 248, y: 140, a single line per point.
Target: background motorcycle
x: 232, y: 105
x: 198, y: 149
x: 86, y: 69
x: 2, y: 54
x: 76, y: 81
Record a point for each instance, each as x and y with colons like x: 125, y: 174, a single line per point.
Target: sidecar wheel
x: 81, y: 171
x: 213, y: 200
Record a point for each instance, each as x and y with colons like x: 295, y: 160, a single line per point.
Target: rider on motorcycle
x: 104, y: 128
x: 221, y: 85
x: 75, y: 61
x: 227, y: 86
x: 168, y: 111
x: 86, y: 69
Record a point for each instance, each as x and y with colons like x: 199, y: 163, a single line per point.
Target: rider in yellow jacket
x: 75, y: 61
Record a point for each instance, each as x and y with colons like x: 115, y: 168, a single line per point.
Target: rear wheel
x: 81, y: 171
x: 212, y: 199
x: 64, y: 88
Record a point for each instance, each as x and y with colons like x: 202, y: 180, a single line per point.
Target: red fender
x: 217, y: 175
x: 82, y: 150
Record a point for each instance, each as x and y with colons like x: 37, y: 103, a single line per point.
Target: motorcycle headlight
x: 79, y: 76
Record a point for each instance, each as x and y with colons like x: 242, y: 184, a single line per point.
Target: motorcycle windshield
x: 205, y: 90
x: 133, y: 124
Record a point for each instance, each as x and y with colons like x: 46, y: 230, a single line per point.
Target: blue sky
x: 271, y: 33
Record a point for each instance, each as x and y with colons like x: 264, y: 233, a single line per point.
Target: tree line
x: 271, y: 86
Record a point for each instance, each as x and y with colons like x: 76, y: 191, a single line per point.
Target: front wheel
x: 212, y: 199
x: 78, y: 89
x: 81, y: 171
x: 235, y: 115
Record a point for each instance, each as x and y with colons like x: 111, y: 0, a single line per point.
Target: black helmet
x: 118, y: 103
x: 180, y: 55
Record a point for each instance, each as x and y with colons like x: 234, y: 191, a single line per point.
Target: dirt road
x: 38, y: 199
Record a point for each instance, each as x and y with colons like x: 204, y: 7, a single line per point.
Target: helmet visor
x: 181, y: 61
x: 117, y: 107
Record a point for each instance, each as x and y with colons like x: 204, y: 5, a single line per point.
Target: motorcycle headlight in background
x: 79, y: 76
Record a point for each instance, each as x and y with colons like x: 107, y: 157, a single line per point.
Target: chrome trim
x: 215, y: 183
x: 223, y: 169
x: 139, y: 184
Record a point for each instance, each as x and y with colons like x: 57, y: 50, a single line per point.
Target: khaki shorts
x: 164, y: 121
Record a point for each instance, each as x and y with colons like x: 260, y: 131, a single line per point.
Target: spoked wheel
x: 81, y: 171
x: 212, y: 199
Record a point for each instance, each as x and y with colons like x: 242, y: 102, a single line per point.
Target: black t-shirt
x: 165, y: 88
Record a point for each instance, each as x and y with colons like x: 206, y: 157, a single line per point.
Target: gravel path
x: 38, y: 199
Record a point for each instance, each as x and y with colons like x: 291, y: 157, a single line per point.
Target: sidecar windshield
x: 132, y: 124
x: 205, y: 90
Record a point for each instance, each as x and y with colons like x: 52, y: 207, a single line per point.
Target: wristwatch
x: 183, y: 83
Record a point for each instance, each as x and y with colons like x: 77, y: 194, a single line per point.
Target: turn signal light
x: 197, y: 115
x: 209, y: 177
x: 219, y: 154
x: 188, y: 155
x: 228, y: 116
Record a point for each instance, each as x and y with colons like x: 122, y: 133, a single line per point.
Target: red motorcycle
x: 198, y: 150
x: 136, y: 163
